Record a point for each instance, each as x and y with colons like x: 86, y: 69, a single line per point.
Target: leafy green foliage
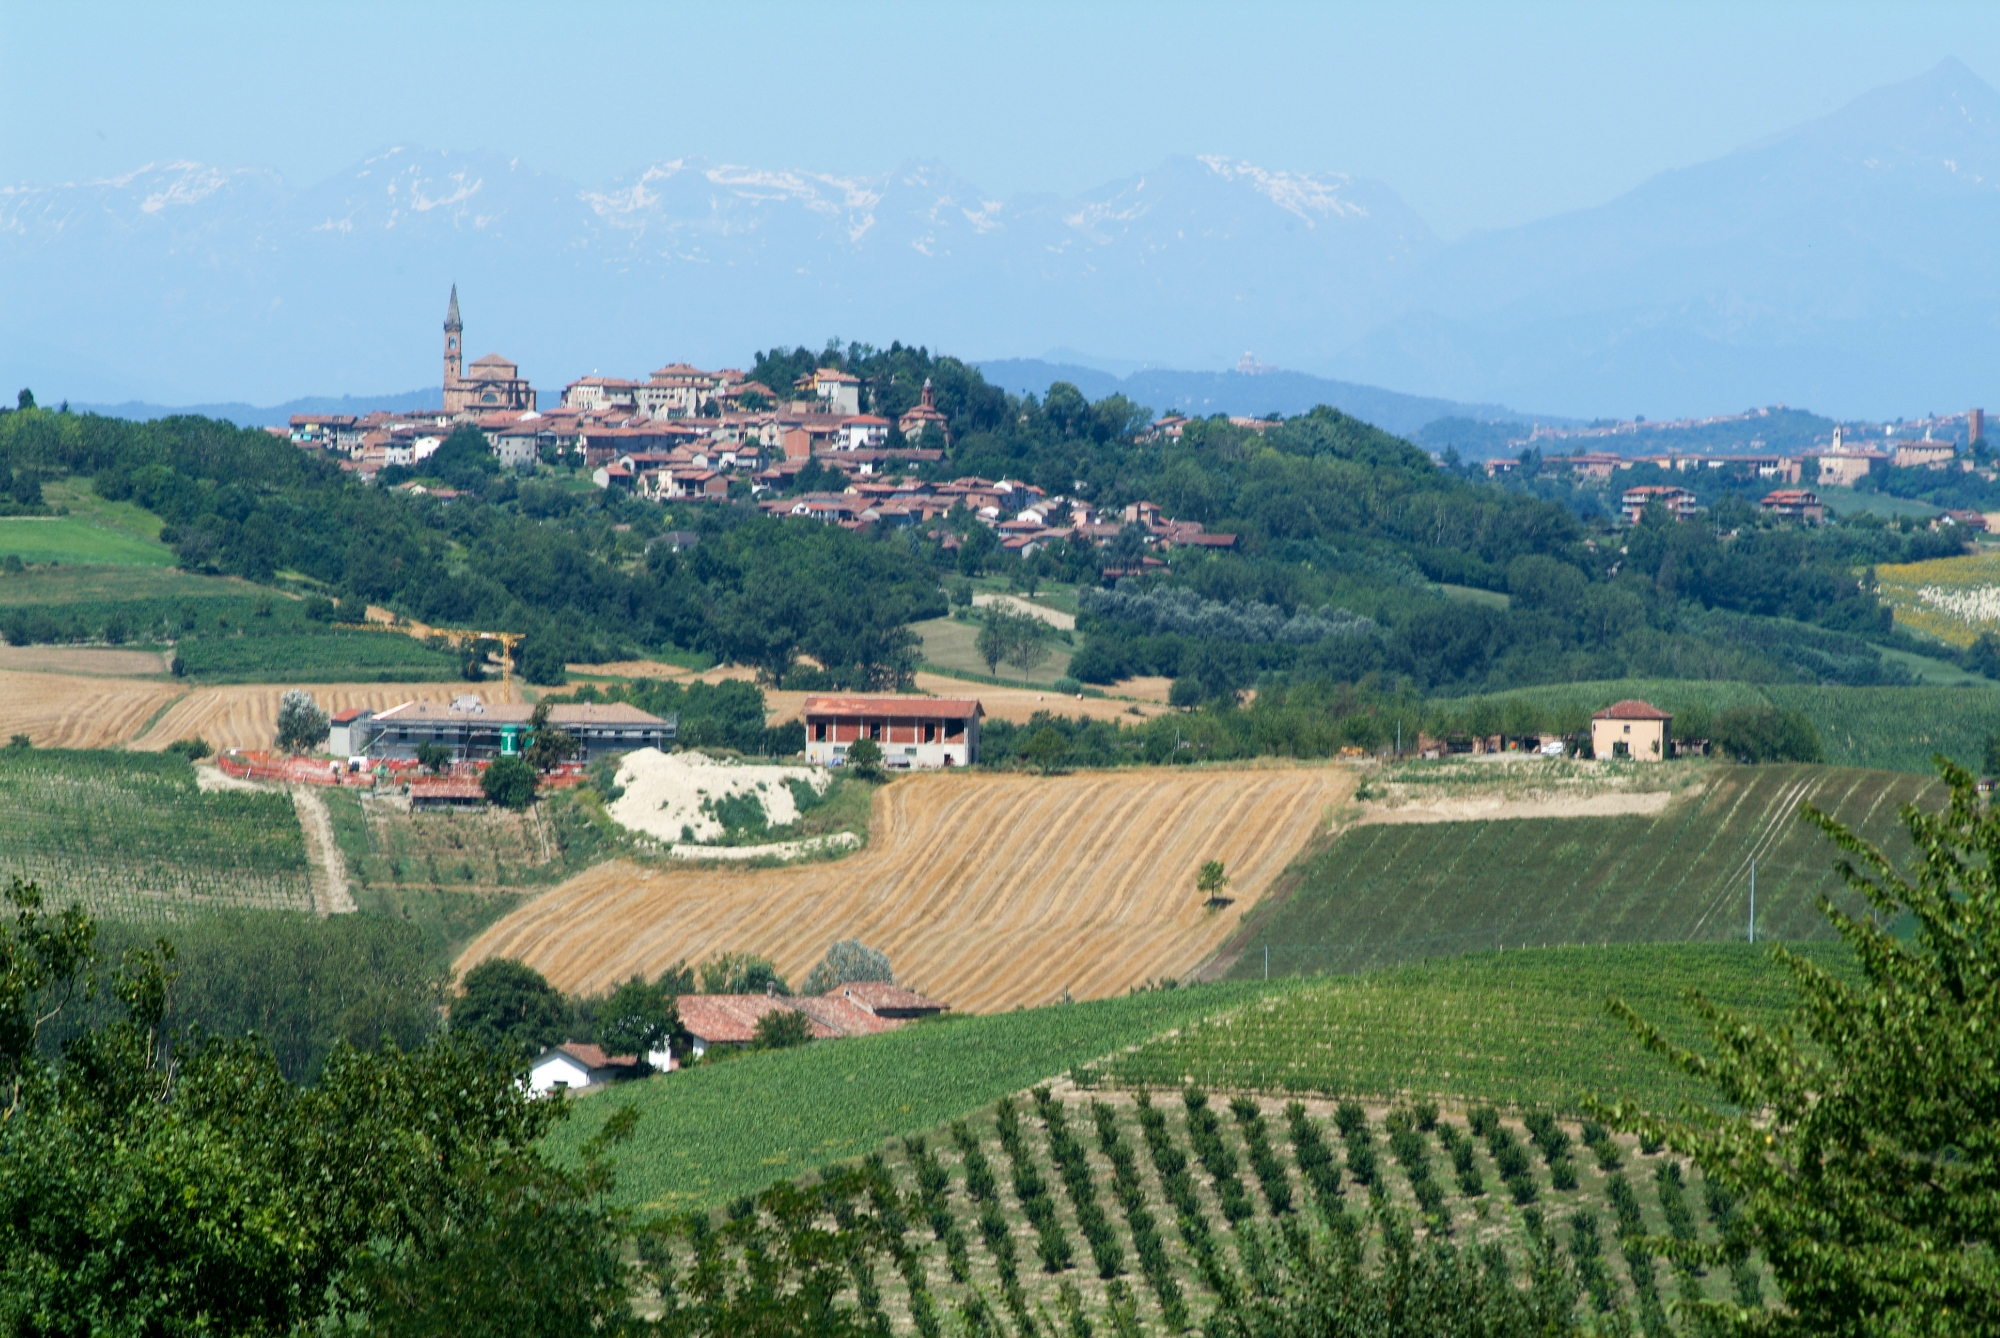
x: 509, y: 1005
x: 1862, y: 1162
x: 302, y: 725
x: 157, y: 1183
x: 638, y: 1018
x: 865, y: 756
x: 781, y: 1029
x: 846, y: 961
x: 509, y: 782
x: 1754, y: 734
x: 740, y: 973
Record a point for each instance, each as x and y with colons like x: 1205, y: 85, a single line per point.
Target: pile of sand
x: 665, y: 793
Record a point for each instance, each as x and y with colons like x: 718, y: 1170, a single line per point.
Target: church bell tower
x: 454, y: 354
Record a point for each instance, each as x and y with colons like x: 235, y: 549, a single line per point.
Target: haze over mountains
x: 1847, y: 264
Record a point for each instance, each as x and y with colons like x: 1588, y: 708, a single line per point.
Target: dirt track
x: 986, y: 891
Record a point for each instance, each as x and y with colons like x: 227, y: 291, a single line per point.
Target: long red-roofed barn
x: 910, y: 731
x: 860, y: 1008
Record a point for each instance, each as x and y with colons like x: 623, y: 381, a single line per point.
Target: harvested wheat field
x: 72, y: 711
x: 985, y: 891
x: 246, y: 715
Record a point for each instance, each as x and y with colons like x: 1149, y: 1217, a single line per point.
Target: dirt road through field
x: 330, y: 893
x: 988, y: 891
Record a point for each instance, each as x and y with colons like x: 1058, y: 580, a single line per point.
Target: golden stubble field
x: 986, y: 891
x: 71, y: 710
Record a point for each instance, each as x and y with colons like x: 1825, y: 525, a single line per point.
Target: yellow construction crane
x: 457, y: 636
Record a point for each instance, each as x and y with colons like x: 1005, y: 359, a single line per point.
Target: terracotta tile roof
x: 844, y: 1016
x: 881, y: 998
x: 731, y: 1019
x: 935, y: 708
x: 590, y: 1056
x: 1633, y: 710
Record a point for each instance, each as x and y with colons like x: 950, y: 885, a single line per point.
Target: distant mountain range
x: 1847, y: 264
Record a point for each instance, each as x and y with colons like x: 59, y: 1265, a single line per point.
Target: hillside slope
x: 1384, y: 894
x: 987, y: 891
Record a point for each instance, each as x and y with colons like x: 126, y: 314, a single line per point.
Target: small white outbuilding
x: 577, y: 1065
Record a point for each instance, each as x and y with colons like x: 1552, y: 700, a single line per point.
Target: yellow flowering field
x: 1952, y: 599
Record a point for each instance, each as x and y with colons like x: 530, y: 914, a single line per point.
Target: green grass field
x: 130, y: 837
x: 948, y: 644
x: 95, y: 532
x: 1015, y: 1198
x: 826, y: 1102
x: 299, y: 653
x: 1518, y: 1028
x: 80, y: 584
x: 1894, y: 729
x: 1382, y: 894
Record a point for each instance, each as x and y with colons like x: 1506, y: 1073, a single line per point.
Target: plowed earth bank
x: 71, y: 711
x: 986, y: 891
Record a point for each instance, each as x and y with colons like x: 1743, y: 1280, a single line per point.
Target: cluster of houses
x: 1842, y: 465
x: 729, y: 1022
x: 686, y: 434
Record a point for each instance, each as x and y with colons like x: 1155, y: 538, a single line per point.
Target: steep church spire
x: 454, y: 355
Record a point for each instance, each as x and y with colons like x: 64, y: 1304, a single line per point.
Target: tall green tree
x: 510, y: 1005
x: 1863, y: 1147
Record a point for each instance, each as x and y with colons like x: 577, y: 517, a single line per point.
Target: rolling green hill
x: 1384, y: 894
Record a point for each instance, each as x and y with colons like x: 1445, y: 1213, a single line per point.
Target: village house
x: 1794, y: 504
x: 1970, y: 521
x: 1632, y: 729
x: 911, y: 731
x: 836, y: 392
x: 471, y: 728
x: 1679, y: 502
x: 577, y: 1066
x: 857, y: 1009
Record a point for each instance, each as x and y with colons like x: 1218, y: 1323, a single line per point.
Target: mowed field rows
x: 1384, y: 894
x: 986, y: 891
x: 60, y: 710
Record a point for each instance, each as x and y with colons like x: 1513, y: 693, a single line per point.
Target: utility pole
x: 1753, y: 901
x: 1267, y: 961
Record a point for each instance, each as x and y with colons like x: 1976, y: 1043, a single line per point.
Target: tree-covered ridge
x: 1336, y: 522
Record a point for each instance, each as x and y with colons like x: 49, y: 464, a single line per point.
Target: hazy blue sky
x: 1479, y: 115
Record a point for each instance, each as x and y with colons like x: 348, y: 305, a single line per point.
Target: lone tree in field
x: 302, y: 726
x: 1211, y: 881
x: 1865, y: 1152
x: 846, y: 962
x: 865, y: 756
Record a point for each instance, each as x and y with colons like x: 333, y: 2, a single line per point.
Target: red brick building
x: 910, y: 731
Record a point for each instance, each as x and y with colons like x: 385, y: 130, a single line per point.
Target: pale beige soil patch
x: 666, y: 793
x: 1500, y: 787
x: 1496, y: 808
x: 1145, y: 689
x: 97, y: 662
x: 1015, y: 604
x: 987, y: 891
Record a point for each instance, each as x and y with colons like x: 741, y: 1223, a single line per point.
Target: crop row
x: 130, y: 836
x: 979, y: 1218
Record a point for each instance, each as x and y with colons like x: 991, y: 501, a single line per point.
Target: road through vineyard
x: 986, y: 891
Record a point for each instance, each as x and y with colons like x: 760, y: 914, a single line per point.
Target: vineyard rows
x: 1164, y: 1207
x: 131, y: 837
x: 1383, y: 894
x: 1522, y: 1029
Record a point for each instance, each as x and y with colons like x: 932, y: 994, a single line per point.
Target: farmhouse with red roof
x: 1632, y: 729
x: 910, y: 731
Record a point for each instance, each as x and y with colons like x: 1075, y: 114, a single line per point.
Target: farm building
x: 859, y: 1009
x: 340, y: 731
x: 471, y: 728
x: 575, y: 1065
x: 911, y: 731
x: 437, y: 792
x: 1679, y: 502
x: 1632, y: 729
